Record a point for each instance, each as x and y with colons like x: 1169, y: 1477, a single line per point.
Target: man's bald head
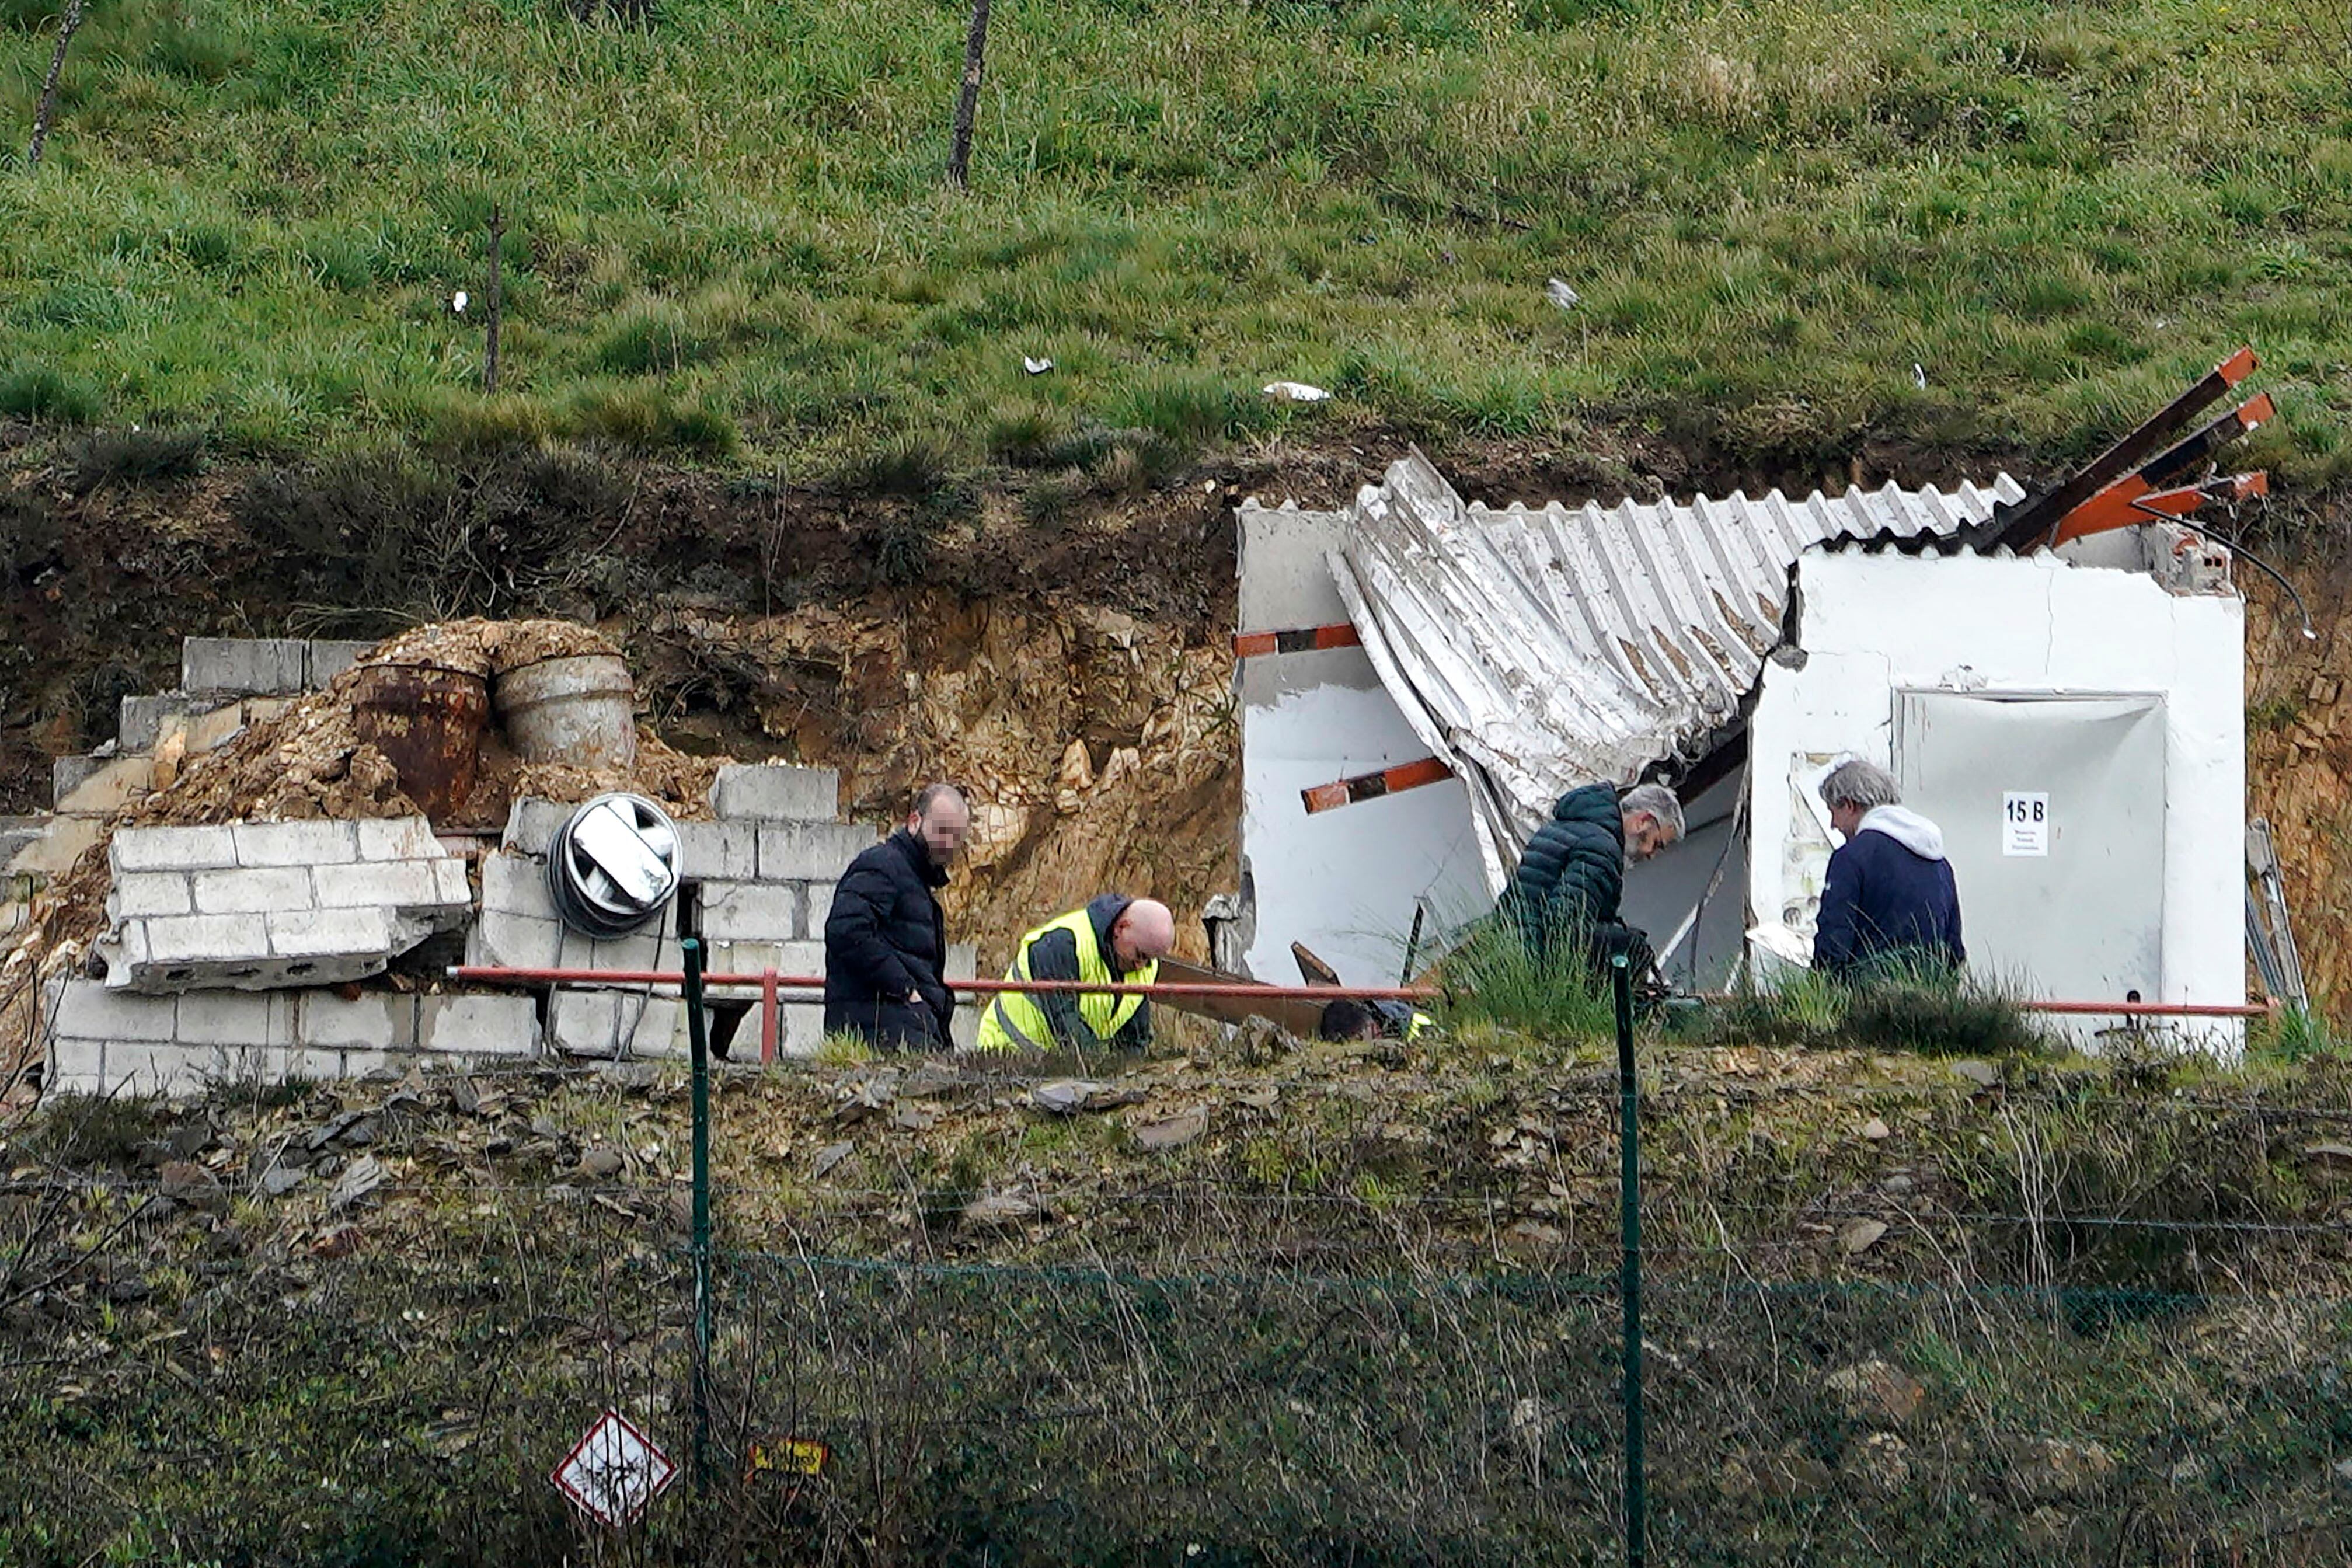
x: 1144, y: 929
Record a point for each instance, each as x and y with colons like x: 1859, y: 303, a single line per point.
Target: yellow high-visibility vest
x: 1014, y: 1021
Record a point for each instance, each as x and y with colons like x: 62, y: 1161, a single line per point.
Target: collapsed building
x: 2057, y: 679
x: 272, y: 871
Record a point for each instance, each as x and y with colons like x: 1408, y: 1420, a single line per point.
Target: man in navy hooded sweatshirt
x: 1889, y: 899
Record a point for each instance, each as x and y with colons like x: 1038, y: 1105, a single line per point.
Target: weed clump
x: 1923, y: 1010
x: 133, y: 457
x: 1547, y: 989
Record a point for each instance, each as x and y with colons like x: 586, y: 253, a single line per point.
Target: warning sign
x: 615, y: 1471
x: 2025, y: 823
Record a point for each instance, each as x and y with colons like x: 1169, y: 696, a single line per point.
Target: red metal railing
x: 771, y: 984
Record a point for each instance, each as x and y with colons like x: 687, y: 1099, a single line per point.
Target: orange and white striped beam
x: 1371, y: 786
x: 1301, y: 640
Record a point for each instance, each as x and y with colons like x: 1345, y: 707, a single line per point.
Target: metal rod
x: 699, y: 1056
x: 1628, y: 1211
x: 771, y: 1015
x: 495, y: 973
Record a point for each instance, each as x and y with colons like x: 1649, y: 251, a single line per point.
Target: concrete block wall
x: 257, y: 906
x: 763, y: 873
x: 106, y: 1041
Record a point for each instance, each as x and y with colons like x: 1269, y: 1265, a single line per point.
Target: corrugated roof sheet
x: 1541, y: 649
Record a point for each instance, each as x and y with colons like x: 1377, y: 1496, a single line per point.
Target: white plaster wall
x: 1343, y: 881
x: 1875, y: 623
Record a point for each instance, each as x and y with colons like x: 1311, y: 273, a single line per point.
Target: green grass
x: 728, y: 237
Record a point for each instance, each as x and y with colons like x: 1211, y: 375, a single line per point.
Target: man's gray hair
x: 1860, y: 784
x: 1659, y: 802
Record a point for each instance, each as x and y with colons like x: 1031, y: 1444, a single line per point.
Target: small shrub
x: 93, y: 1130
x: 2296, y: 1034
x: 1026, y: 437
x: 647, y: 419
x: 1047, y: 501
x: 133, y: 457
x: 902, y: 549
x: 42, y: 392
x: 917, y: 465
x: 1549, y: 990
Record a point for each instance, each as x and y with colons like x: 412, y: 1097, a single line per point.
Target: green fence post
x: 1629, y: 1210
x: 698, y: 1051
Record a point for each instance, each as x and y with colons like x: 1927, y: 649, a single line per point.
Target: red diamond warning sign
x: 615, y: 1471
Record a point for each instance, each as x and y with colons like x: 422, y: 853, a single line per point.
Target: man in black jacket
x: 1568, y: 882
x: 886, y: 941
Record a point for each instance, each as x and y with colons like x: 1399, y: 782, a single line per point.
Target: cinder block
x: 381, y: 1064
x: 326, y: 933
x: 452, y: 888
x: 771, y: 792
x: 374, y: 1020
x: 584, y: 1023
x: 109, y: 788
x: 78, y: 1058
x: 246, y: 666
x: 239, y: 1064
x: 171, y: 849
x: 381, y: 884
x: 485, y: 1026
x: 963, y: 961
x: 211, y: 731
x: 66, y: 774
x: 141, y: 720
x: 59, y: 849
x: 329, y: 657
x: 313, y: 843
x: 236, y: 1018
x: 134, y: 1069
x: 646, y: 949
x: 206, y: 939
x: 802, y: 1030
x: 718, y: 851
x: 531, y: 824
x: 397, y: 838
x: 800, y: 958
x: 811, y: 851
x: 150, y: 893
x: 817, y: 907
x: 242, y: 892
x: 501, y: 940
x: 651, y: 1026
x: 320, y: 1066
x: 516, y: 884
x: 751, y: 911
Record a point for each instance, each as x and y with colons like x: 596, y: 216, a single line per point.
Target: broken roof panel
x: 1535, y: 650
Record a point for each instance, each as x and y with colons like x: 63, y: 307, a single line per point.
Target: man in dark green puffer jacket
x: 1573, y: 874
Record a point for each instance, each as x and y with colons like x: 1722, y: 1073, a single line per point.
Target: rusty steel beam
x: 1371, y: 786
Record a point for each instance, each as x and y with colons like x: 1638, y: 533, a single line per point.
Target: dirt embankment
x: 1071, y: 671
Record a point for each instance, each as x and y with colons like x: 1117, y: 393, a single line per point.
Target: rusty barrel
x: 427, y: 721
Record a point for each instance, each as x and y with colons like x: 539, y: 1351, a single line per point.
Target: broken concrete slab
x: 273, y: 904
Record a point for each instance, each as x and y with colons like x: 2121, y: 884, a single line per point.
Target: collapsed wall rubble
x: 189, y: 940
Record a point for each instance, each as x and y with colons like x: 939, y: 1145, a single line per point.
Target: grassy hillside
x: 730, y: 236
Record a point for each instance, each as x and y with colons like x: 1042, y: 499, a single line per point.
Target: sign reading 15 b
x: 2025, y: 821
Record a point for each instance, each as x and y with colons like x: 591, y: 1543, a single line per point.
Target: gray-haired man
x: 1890, y: 898
x: 1569, y: 883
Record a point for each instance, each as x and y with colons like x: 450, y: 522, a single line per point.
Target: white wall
x: 1872, y: 623
x: 1343, y: 881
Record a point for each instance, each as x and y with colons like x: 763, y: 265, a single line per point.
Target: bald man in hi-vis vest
x: 1114, y: 941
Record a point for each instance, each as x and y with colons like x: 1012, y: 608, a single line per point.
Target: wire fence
x: 2143, y: 1360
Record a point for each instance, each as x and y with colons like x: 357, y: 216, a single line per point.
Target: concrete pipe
x: 580, y: 712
